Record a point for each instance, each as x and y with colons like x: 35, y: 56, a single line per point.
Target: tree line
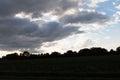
x: 95, y: 51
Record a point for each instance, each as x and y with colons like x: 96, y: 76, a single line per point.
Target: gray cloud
x: 55, y: 31
x: 15, y: 33
x: 85, y: 17
x: 18, y: 33
x: 11, y: 7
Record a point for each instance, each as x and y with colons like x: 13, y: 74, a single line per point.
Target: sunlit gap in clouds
x: 74, y: 42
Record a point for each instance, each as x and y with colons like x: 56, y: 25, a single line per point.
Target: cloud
x: 19, y: 33
x: 88, y: 43
x: 54, y: 30
x: 25, y: 25
x: 116, y: 17
x: 85, y: 17
x: 118, y: 7
x: 36, y: 7
x: 11, y: 7
x: 16, y: 33
x: 94, y: 3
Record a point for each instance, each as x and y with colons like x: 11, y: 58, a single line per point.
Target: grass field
x: 66, y: 68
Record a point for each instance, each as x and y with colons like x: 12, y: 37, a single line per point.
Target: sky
x: 41, y: 26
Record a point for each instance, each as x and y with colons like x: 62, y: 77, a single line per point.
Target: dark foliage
x: 70, y: 53
x: 95, y: 51
x: 118, y: 50
x: 55, y: 54
x: 84, y: 52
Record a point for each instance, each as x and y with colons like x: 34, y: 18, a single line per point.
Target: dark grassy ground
x: 67, y: 68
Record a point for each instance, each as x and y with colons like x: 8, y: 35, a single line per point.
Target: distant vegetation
x: 95, y: 51
x: 86, y: 64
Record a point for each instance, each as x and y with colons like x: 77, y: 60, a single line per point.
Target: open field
x: 66, y: 68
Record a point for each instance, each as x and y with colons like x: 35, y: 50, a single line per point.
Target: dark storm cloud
x: 11, y: 7
x: 85, y: 17
x: 18, y: 33
x: 55, y: 31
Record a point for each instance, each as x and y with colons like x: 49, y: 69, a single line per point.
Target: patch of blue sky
x: 109, y: 30
x: 117, y: 2
x: 107, y: 7
x: 114, y: 31
x: 106, y: 39
x: 84, y: 7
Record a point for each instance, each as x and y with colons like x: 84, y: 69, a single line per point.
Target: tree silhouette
x: 118, y: 50
x: 11, y: 56
x: 46, y: 54
x: 70, y: 53
x: 95, y: 51
x: 55, y: 54
x: 98, y: 51
x: 26, y: 54
x: 112, y: 52
x: 84, y: 52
